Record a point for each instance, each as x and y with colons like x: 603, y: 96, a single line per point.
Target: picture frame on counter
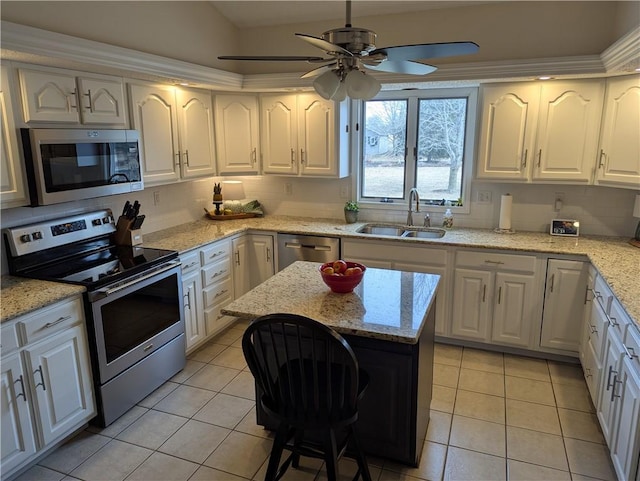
x: 565, y: 227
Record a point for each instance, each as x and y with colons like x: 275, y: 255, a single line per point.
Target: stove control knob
x: 96, y: 222
x: 107, y: 220
x: 25, y: 238
x: 37, y: 235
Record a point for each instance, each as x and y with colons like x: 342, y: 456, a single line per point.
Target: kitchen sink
x: 402, y: 231
x: 381, y: 229
x: 426, y: 233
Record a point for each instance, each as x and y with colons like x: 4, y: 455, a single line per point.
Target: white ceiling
x: 260, y: 13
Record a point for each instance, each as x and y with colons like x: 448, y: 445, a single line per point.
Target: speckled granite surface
x: 616, y: 260
x: 21, y: 296
x: 389, y: 305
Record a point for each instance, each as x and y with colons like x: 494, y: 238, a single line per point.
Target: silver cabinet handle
x: 88, y: 94
x: 57, y: 321
x: 253, y: 155
x: 586, y: 295
x: 220, y: 293
x: 539, y: 157
x: 630, y: 352
x: 41, y: 383
x: 524, y: 161
x: 609, y: 383
x: 238, y: 257
x: 301, y: 156
x: 499, y: 294
x: 587, y: 372
x: 601, y: 161
x: 293, y: 156
x: 186, y: 157
x: 177, y: 158
x: 484, y: 293
x: 188, y: 266
x: 497, y: 263
x: 616, y: 381
x: 553, y: 276
x: 21, y: 393
x: 74, y: 92
x: 593, y: 329
x: 219, y: 253
x: 187, y: 296
x: 219, y: 273
x: 613, y: 321
x: 268, y: 255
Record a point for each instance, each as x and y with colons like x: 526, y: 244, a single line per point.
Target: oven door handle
x: 107, y: 291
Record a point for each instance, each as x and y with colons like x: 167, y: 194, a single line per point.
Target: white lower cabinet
x: 47, y: 390
x: 191, y: 289
x: 494, y: 298
x: 253, y: 261
x: 411, y: 258
x: 564, y: 300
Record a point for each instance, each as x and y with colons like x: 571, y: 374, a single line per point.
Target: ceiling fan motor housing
x: 358, y: 41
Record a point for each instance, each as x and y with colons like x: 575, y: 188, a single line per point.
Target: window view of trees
x: 430, y: 158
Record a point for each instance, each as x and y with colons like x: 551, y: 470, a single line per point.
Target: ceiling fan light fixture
x: 361, y: 86
x: 341, y: 93
x: 327, y: 84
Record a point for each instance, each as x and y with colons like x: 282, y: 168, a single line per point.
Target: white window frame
x: 471, y: 94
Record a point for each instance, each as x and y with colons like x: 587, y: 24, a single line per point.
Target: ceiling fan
x: 350, y: 50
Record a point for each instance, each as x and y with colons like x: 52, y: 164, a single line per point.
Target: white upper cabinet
x: 619, y: 157
x: 303, y: 135
x: 176, y: 132
x: 237, y: 134
x: 568, y: 127
x: 13, y: 191
x: 540, y: 132
x: 55, y: 95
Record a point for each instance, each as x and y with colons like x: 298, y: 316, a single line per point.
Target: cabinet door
x: 153, y: 113
x: 261, y: 264
x: 316, y: 136
x: 61, y: 382
x: 568, y: 128
x: 195, y: 123
x: 564, y: 302
x: 13, y: 192
x: 509, y: 113
x: 619, y: 162
x: 241, y: 273
x: 608, y: 396
x: 237, y: 134
x: 48, y: 96
x: 18, y: 442
x: 472, y: 294
x: 279, y: 134
x: 102, y: 101
x: 193, y: 313
x: 625, y: 449
x: 513, y: 309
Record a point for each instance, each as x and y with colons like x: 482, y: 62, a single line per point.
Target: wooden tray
x: 229, y: 216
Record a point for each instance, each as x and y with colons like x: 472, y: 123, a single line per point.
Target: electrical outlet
x: 156, y: 197
x: 288, y: 188
x: 344, y: 192
x: 559, y: 196
x: 484, y: 197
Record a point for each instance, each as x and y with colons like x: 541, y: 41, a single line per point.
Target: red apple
x: 340, y: 266
x: 328, y: 270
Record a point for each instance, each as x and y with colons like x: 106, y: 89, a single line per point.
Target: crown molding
x: 624, y: 54
x: 33, y: 45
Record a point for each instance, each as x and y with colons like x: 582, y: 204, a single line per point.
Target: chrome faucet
x: 413, y: 192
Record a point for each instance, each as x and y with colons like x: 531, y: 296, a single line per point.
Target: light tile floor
x: 494, y: 417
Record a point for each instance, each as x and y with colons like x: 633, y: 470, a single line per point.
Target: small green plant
x: 351, y: 206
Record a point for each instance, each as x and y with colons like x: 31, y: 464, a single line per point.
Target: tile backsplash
x: 600, y: 210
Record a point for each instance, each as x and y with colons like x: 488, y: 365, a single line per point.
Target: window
x: 421, y: 139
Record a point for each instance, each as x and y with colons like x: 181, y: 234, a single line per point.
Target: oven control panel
x: 32, y: 238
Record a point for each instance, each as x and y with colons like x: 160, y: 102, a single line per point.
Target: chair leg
x: 363, y: 467
x: 297, y: 440
x: 331, y: 455
x: 276, y: 452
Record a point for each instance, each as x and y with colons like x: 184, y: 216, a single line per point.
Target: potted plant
x: 351, y: 212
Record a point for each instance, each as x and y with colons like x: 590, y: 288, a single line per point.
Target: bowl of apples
x: 342, y: 276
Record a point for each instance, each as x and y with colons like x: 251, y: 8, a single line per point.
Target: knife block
x: 124, y: 236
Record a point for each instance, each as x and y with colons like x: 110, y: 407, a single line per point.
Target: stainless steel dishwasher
x: 293, y: 247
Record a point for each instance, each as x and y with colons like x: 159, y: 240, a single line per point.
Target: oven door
x: 133, y: 319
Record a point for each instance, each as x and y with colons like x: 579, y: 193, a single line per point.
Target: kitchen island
x: 389, y: 321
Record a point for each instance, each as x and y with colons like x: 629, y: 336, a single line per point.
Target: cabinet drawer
x: 48, y: 321
x: 397, y: 252
x: 486, y: 260
x: 602, y: 293
x: 214, y: 321
x: 217, y: 293
x: 216, y: 272
x: 215, y: 252
x: 8, y: 339
x: 632, y: 345
x: 618, y: 318
x: 190, y: 262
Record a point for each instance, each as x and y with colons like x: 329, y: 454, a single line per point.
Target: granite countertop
x: 21, y: 296
x: 615, y: 259
x: 388, y: 305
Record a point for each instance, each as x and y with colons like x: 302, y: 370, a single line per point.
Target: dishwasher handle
x: 296, y: 245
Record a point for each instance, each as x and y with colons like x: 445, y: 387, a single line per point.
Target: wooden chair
x: 309, y: 381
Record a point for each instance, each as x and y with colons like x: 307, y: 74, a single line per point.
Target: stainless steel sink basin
x: 402, y: 231
x: 426, y: 233
x: 381, y: 229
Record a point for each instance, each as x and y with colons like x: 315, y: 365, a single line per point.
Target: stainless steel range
x: 133, y: 302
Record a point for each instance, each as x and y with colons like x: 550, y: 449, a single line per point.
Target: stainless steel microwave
x: 64, y: 165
